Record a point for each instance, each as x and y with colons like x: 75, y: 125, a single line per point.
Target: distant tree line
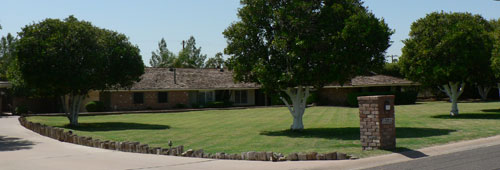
x: 189, y: 56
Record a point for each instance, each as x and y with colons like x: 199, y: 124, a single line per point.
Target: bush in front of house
x: 95, y: 106
x: 216, y: 104
x: 219, y: 104
x: 21, y: 110
x: 401, y: 98
x: 180, y: 106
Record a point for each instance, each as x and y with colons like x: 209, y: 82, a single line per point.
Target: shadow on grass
x: 113, y: 126
x: 410, y: 153
x: 352, y: 133
x: 13, y: 144
x: 491, y: 110
x: 470, y: 116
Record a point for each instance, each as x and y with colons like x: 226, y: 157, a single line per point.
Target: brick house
x: 164, y: 88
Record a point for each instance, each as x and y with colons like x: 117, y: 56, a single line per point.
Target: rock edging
x: 136, y: 147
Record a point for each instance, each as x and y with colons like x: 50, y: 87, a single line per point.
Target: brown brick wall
x: 375, y: 132
x: 335, y: 96
x: 125, y: 100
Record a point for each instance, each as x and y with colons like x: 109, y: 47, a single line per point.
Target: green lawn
x: 265, y: 129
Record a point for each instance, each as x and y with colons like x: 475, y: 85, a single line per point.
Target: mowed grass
x: 327, y: 129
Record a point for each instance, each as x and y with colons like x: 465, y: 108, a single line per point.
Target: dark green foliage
x: 190, y: 56
x: 219, y: 104
x: 195, y: 105
x: 495, y: 55
x: 180, y: 106
x: 7, y: 54
x: 72, y: 57
x: 21, y: 110
x: 401, y: 98
x: 216, y: 104
x: 282, y: 44
x: 447, y: 47
x: 95, y: 106
x: 391, y: 69
x: 162, y: 57
x: 215, y: 62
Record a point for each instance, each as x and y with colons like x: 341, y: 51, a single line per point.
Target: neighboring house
x: 335, y: 94
x: 163, y: 88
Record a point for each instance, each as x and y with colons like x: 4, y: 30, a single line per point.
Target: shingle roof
x: 188, y: 79
x: 375, y: 80
x: 198, y: 79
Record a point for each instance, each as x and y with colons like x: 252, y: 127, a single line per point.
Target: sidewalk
x: 22, y: 149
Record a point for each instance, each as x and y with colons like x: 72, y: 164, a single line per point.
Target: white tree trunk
x: 453, y: 91
x: 71, y: 107
x: 483, y: 92
x: 498, y: 86
x: 298, y: 96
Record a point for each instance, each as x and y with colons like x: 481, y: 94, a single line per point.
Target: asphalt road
x: 487, y: 158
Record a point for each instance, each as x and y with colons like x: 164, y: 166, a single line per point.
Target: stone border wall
x: 136, y: 147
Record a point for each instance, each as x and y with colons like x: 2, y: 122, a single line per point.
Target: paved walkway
x: 22, y: 149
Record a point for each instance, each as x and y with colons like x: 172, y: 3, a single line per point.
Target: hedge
x: 407, y: 97
x: 95, y: 106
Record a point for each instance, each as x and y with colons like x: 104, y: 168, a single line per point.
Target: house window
x: 205, y: 97
x: 162, y: 97
x: 138, y: 98
x: 240, y: 97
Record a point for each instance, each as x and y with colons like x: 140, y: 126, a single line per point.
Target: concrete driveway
x: 22, y: 149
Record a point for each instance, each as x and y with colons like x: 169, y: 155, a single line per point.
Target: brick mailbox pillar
x: 377, y: 123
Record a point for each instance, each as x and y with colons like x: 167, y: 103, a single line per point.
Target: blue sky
x: 147, y: 21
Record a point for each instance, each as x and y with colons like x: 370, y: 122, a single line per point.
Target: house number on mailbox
x: 387, y: 121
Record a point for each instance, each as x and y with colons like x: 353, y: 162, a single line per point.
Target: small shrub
x: 95, y: 106
x: 195, y: 105
x: 228, y: 103
x: 21, y: 110
x: 216, y: 104
x: 180, y: 106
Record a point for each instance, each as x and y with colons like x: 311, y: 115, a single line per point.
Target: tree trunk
x: 453, y: 91
x: 71, y: 107
x: 498, y: 85
x: 298, y: 96
x: 483, y: 92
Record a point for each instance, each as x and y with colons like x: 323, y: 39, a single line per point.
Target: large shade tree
x: 495, y: 55
x: 68, y: 58
x: 294, y: 45
x: 446, y: 50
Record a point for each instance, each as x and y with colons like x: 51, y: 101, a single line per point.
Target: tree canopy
x: 69, y: 58
x: 162, y: 57
x: 215, y: 62
x: 7, y: 52
x: 447, y: 50
x: 189, y: 57
x: 294, y: 45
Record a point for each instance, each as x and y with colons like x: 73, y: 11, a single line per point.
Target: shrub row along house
x: 166, y: 88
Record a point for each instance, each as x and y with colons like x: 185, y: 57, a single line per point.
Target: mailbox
x: 377, y: 122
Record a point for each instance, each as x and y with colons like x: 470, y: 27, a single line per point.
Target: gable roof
x: 375, y: 80
x: 214, y: 79
x: 188, y: 79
